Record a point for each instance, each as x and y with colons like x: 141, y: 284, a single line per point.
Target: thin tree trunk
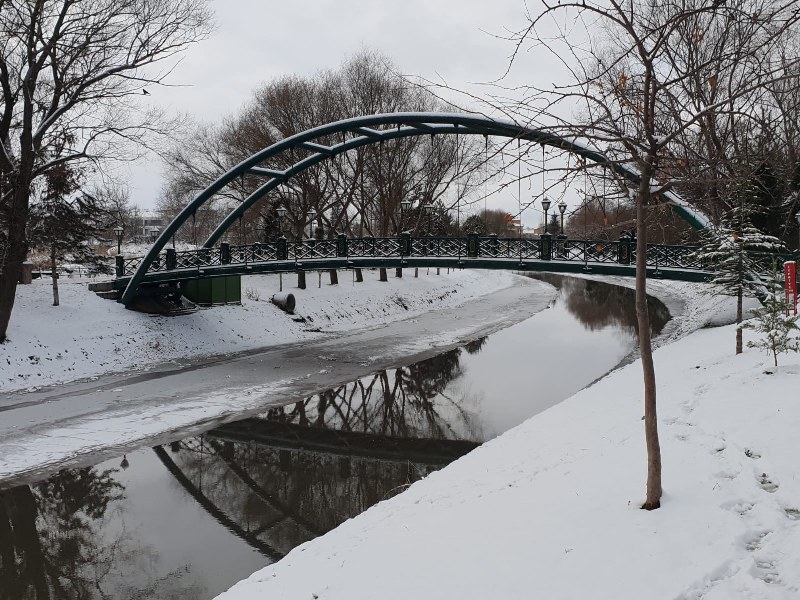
x: 54, y: 275
x: 739, y: 320
x: 653, y: 499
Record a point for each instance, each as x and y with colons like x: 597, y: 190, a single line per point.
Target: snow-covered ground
x: 551, y: 508
x: 87, y: 336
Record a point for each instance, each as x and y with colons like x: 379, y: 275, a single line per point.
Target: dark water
x: 189, y: 519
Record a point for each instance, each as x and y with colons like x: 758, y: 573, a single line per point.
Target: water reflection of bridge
x: 300, y: 470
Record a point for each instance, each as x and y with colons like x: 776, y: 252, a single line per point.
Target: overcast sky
x: 256, y: 41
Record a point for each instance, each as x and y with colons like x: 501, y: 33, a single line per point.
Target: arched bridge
x: 324, y: 142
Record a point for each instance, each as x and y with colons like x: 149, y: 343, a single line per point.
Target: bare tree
x: 650, y: 88
x: 72, y: 73
x: 358, y: 192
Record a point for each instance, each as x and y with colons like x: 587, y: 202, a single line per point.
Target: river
x: 190, y: 518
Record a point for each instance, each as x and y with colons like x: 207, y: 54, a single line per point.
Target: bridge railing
x: 621, y: 251
x: 604, y: 251
x: 310, y: 249
x: 258, y: 252
x: 437, y: 247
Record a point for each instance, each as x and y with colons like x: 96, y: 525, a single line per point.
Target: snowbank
x: 550, y: 509
x: 87, y: 336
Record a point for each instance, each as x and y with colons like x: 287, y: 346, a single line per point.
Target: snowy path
x: 67, y: 424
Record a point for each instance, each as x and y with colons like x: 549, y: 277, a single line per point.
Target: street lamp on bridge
x: 562, y: 208
x: 311, y: 216
x: 118, y: 232
x: 545, y: 207
x: 405, y: 205
x: 281, y: 211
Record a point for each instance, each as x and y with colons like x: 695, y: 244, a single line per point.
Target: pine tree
x: 730, y: 251
x: 63, y: 221
x: 773, y: 323
x: 474, y: 224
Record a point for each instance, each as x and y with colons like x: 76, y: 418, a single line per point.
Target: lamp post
x: 281, y: 211
x: 545, y: 207
x: 562, y: 208
x: 404, y: 206
x: 118, y: 232
x: 311, y: 216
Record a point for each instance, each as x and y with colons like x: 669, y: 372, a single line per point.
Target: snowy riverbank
x: 550, y: 509
x: 87, y: 336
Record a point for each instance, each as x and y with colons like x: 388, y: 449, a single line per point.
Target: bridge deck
x: 514, y: 264
x: 546, y: 254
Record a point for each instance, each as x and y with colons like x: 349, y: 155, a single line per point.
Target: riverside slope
x: 550, y: 509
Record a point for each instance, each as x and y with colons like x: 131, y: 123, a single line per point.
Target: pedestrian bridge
x: 139, y: 275
x: 553, y: 254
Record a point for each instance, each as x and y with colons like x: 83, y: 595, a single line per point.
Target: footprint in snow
x: 754, y: 543
x: 765, y: 570
x: 767, y: 484
x: 741, y: 507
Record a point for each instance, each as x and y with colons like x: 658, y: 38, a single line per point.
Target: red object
x: 790, y: 277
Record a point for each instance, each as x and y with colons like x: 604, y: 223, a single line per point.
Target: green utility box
x: 214, y: 290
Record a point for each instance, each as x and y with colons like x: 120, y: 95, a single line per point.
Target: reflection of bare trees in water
x: 52, y: 544
x: 598, y: 305
x: 404, y: 402
x: 282, y: 498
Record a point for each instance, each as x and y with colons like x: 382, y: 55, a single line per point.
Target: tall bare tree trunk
x: 54, y: 275
x: 653, y: 499
x: 16, y: 253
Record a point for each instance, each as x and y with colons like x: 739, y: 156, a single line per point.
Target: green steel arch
x: 364, y: 131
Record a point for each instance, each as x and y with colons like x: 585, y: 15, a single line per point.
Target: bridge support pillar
x: 359, y: 276
x: 282, y: 249
x: 624, y: 251
x: 301, y: 280
x: 383, y: 276
x: 334, y: 275
x: 341, y: 245
x: 473, y: 245
x: 546, y: 246
x: 398, y: 272
x: 405, y: 244
x: 172, y: 259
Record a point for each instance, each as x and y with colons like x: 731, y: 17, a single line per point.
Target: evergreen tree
x: 731, y: 252
x: 773, y: 322
x: 63, y: 221
x: 474, y: 224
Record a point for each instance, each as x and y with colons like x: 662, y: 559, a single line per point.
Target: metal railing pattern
x: 554, y: 249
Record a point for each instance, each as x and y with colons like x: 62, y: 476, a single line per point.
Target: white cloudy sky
x: 255, y: 41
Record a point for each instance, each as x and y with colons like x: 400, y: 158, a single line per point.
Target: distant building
x: 150, y: 225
